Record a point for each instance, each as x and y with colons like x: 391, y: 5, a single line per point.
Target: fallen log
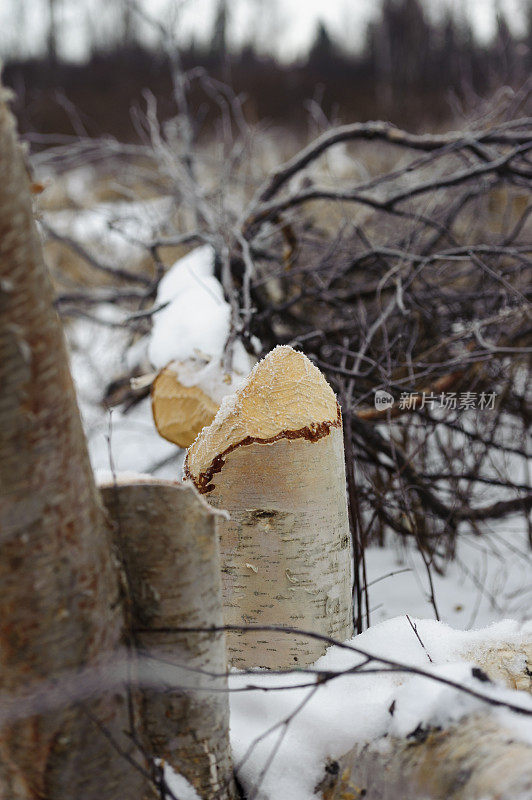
x: 474, y: 759
x: 477, y: 758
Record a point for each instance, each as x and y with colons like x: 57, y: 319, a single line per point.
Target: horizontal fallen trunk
x: 475, y: 759
x: 273, y: 458
x: 167, y: 536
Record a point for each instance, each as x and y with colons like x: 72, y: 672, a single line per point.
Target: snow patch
x: 106, y: 476
x: 179, y: 786
x: 115, y: 230
x: 308, y: 724
x: 196, y: 318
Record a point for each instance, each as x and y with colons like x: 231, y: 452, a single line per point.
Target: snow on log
x: 474, y: 759
x: 61, y: 619
x: 415, y: 720
x: 482, y: 756
x: 187, y: 343
x: 273, y: 458
x: 167, y: 536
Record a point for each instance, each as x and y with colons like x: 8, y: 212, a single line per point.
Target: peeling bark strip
x: 475, y: 759
x: 273, y: 458
x: 167, y: 535
x: 60, y: 610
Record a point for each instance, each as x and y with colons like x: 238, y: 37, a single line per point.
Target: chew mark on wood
x: 179, y: 411
x: 285, y: 397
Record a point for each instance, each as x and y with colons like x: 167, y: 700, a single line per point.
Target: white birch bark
x: 273, y: 458
x: 168, y: 539
x: 475, y: 759
x: 60, y: 610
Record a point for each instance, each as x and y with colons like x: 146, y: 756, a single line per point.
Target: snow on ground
x: 191, y: 327
x: 179, y: 785
x: 488, y: 581
x: 98, y: 354
x: 282, y: 738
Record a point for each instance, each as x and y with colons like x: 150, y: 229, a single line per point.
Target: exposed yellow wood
x: 180, y: 412
x: 285, y: 393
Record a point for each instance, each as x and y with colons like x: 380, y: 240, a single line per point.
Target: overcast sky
x: 284, y: 27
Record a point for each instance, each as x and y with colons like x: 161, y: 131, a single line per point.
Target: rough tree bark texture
x: 167, y: 534
x: 273, y: 458
x: 60, y: 610
x: 475, y: 759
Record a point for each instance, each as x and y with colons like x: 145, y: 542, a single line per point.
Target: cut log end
x: 133, y: 482
x: 285, y: 396
x: 180, y: 412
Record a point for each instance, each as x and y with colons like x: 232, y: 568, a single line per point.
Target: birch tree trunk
x: 167, y: 535
x: 273, y: 458
x: 60, y: 610
x: 475, y: 759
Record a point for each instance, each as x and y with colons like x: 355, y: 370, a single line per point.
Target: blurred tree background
x: 409, y: 65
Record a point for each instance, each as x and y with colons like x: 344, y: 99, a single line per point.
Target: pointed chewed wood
x: 273, y: 458
x: 285, y: 396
